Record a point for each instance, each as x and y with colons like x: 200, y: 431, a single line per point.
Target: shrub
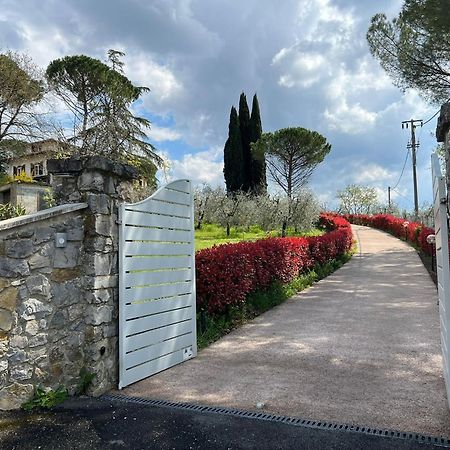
x: 228, y: 273
x: 8, y: 211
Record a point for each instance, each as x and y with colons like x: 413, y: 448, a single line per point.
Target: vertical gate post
x: 103, y: 185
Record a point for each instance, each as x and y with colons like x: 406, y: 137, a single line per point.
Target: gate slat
x: 158, y: 335
x: 152, y: 220
x: 156, y: 321
x: 157, y: 350
x: 168, y: 276
x: 140, y: 372
x: 173, y: 196
x: 162, y: 207
x: 145, y: 263
x: 140, y: 294
x: 156, y: 306
x: 158, y: 235
x: 152, y: 248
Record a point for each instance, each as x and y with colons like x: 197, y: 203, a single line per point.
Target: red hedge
x: 226, y: 274
x: 413, y: 232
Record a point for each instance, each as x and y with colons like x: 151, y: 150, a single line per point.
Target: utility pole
x: 413, y: 146
x: 389, y: 197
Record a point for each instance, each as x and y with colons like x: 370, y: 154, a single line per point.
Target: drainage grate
x: 440, y: 441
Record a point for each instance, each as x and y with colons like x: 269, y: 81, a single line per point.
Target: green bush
x: 8, y: 211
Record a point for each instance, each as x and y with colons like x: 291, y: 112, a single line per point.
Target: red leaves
x: 226, y: 274
x: 411, y: 231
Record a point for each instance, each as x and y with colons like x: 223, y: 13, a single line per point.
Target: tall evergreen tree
x: 244, y: 125
x: 258, y: 164
x: 233, y: 156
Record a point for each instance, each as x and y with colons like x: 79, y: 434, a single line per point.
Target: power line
x: 403, y: 169
x: 432, y: 117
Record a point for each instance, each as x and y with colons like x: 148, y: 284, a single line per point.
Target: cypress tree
x: 244, y: 125
x: 233, y: 156
x: 258, y: 164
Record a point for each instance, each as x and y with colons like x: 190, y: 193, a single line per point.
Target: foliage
x: 292, y: 154
x: 49, y: 198
x: 414, y: 48
x: 21, y: 89
x: 414, y: 232
x: 244, y: 126
x: 86, y: 379
x: 241, y: 170
x: 258, y: 166
x: 233, y: 155
x: 8, y: 211
x: 357, y: 199
x: 100, y: 98
x: 5, y: 179
x: 46, y: 399
x: 228, y: 273
x: 23, y: 178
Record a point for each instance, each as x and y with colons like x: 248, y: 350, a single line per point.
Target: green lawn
x: 212, y: 234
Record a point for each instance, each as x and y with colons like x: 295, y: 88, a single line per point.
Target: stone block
x: 10, y: 268
x: 32, y: 308
x: 20, y: 248
x: 63, y: 275
x: 3, y: 365
x: 8, y: 298
x: 38, y: 261
x: 38, y: 340
x: 32, y: 327
x: 6, y: 320
x: 98, y: 203
x: 96, y: 315
x: 43, y: 234
x: 21, y: 373
x: 67, y: 293
x: 12, y: 397
x: 59, y: 320
x: 101, y: 282
x: 91, y: 181
x: 38, y: 284
x: 75, y: 311
x: 18, y: 357
x: 67, y: 257
x: 100, y: 296
x: 18, y: 341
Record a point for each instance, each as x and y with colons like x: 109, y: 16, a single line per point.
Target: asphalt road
x: 100, y: 424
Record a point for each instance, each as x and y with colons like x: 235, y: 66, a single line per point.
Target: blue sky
x: 308, y: 61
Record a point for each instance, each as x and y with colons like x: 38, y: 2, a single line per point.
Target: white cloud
x: 373, y: 173
x: 201, y: 167
x: 350, y: 119
x: 161, y: 134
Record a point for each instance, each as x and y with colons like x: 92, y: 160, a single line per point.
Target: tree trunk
x: 228, y: 229
x: 284, y: 228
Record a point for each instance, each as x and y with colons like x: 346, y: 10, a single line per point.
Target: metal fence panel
x: 157, y: 313
x: 442, y: 261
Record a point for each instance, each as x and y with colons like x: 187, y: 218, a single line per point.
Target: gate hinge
x: 443, y: 200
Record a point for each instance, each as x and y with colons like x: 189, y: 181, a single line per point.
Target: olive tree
x: 358, y: 199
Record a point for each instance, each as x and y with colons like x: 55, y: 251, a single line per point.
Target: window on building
x: 17, y: 170
x: 37, y: 170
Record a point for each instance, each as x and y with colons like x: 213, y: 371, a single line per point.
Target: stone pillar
x: 102, y: 184
x: 443, y: 135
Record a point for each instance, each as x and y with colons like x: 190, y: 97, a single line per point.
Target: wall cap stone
x: 41, y: 215
x: 73, y: 166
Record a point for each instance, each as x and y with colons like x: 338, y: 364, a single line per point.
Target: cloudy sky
x: 307, y: 60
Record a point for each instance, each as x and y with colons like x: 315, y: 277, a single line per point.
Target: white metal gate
x: 442, y: 262
x: 157, y: 314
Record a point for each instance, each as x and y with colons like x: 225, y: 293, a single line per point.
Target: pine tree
x: 244, y: 125
x: 233, y: 156
x: 258, y: 165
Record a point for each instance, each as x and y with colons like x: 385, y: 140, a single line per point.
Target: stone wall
x: 58, y: 300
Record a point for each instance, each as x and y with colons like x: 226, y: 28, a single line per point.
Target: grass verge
x: 211, y: 328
